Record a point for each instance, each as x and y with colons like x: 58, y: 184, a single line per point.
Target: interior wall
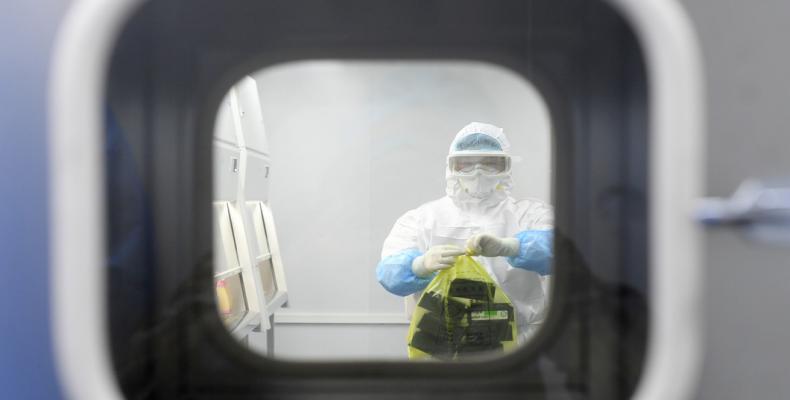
x: 384, y: 129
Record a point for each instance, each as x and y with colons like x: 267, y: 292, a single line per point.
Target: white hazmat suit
x: 478, y: 201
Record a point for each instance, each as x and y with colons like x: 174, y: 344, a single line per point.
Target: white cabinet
x: 248, y: 273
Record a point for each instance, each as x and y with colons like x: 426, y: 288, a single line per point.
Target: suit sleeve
x: 535, y: 240
x: 400, y: 249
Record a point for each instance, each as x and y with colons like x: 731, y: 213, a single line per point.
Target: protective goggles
x: 488, y: 164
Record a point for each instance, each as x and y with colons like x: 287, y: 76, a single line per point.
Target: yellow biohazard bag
x: 462, y: 312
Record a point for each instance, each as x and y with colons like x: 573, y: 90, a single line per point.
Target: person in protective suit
x: 512, y: 239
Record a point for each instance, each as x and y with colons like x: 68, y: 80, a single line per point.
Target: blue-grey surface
x: 27, y: 30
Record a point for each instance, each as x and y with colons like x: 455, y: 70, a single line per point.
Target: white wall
x: 354, y: 146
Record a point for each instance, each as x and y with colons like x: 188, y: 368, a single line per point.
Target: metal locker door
x: 746, y: 291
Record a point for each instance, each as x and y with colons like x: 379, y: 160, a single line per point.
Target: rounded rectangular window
x: 413, y: 206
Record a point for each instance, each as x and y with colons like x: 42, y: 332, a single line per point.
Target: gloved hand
x: 488, y: 245
x: 436, y: 258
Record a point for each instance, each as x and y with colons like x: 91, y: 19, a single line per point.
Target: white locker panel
x: 251, y: 116
x: 227, y: 163
x: 257, y: 177
x: 224, y: 127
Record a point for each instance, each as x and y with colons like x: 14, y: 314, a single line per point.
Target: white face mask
x: 478, y: 188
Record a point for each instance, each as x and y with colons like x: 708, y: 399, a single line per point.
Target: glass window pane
x: 266, y: 271
x: 262, y: 240
x: 231, y: 301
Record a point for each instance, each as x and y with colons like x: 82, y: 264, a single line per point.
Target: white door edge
x: 76, y: 167
x: 676, y: 115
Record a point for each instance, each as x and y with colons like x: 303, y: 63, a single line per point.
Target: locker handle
x: 754, y: 202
